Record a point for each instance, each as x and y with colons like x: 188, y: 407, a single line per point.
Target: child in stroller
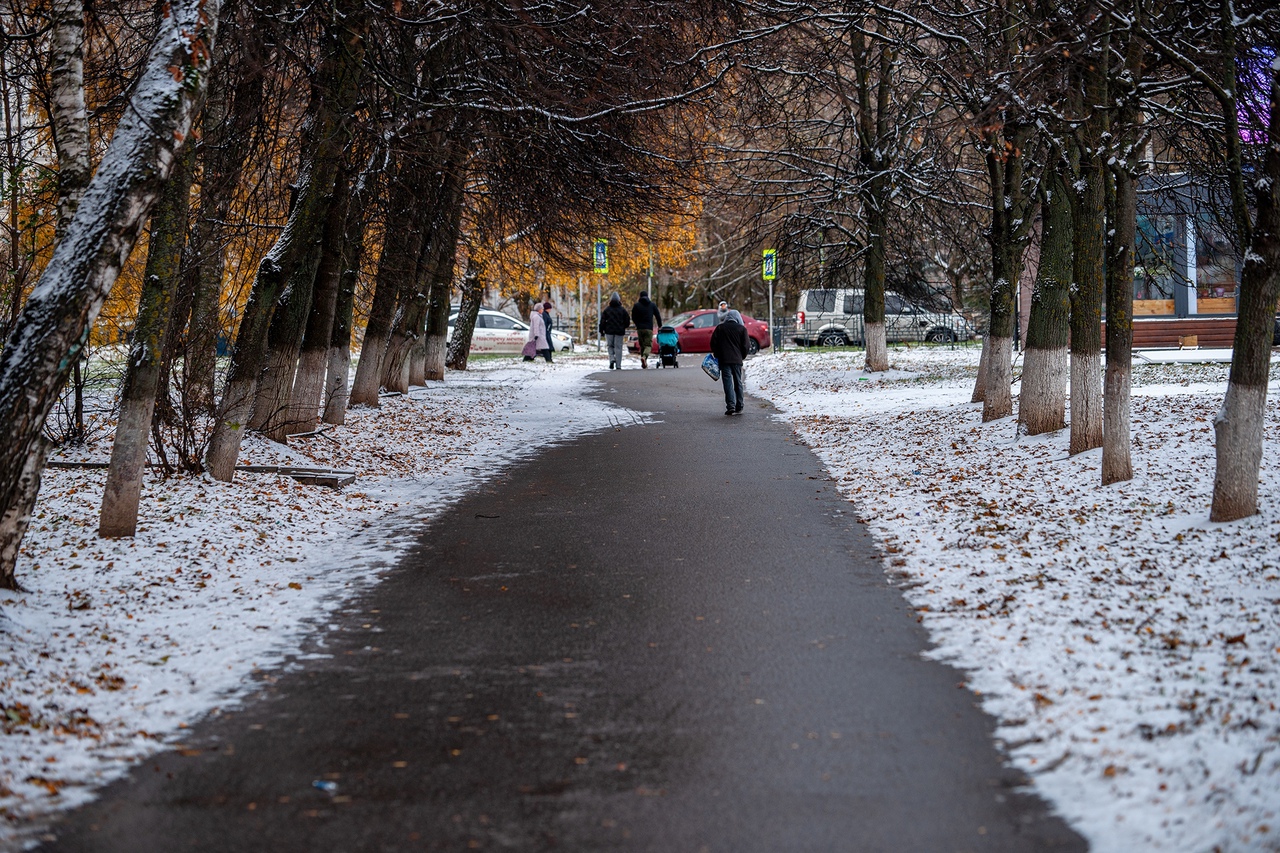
x: 668, y: 346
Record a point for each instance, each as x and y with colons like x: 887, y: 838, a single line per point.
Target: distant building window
x: 1216, y: 264
x: 1156, y: 269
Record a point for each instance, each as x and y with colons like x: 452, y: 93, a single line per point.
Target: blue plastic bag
x: 711, y: 367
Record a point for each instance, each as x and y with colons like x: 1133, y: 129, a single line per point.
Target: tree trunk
x: 70, y: 131
x: 1089, y: 249
x: 1117, y: 466
x: 465, y: 324
x: 333, y: 98
x: 338, y: 361
x: 1116, y: 463
x: 404, y: 337
x: 437, y: 327
x: 997, y: 398
x: 235, y: 108
x: 54, y: 324
x: 308, y: 383
x: 1042, y: 403
x: 397, y: 269
x: 284, y: 342
x: 873, y: 330
x: 873, y: 91
x: 119, y: 515
x: 984, y: 360
x: 1086, y: 309
x: 69, y: 118
x: 1239, y: 425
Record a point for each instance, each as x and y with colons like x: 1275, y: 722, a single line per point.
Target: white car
x: 500, y: 333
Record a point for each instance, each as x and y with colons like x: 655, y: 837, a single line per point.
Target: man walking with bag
x: 729, y: 346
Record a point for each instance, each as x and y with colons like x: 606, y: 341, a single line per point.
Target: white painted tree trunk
x: 1238, y: 442
x: 1086, y: 403
x: 997, y: 400
x: 435, y: 351
x: 980, y: 384
x: 336, y: 385
x: 1117, y: 462
x: 877, y: 348
x: 1042, y: 405
x: 308, y: 385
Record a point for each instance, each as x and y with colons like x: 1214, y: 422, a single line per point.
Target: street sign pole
x: 600, y: 266
x: 769, y: 271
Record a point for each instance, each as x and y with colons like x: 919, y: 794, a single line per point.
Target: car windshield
x: 680, y: 318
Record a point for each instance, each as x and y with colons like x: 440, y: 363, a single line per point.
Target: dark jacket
x: 614, y: 320
x: 645, y: 314
x: 729, y: 343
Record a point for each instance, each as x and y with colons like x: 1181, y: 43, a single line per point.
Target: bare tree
x: 1042, y: 403
x: 291, y: 262
x: 1239, y: 426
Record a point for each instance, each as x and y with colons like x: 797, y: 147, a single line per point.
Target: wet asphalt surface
x: 666, y: 637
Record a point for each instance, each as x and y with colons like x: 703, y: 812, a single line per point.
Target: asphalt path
x: 673, y: 636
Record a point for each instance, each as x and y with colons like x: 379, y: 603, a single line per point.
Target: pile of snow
x: 116, y: 645
x: 1127, y: 646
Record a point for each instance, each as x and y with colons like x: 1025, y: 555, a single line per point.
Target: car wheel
x: 940, y: 336
x: 753, y: 346
x: 832, y: 339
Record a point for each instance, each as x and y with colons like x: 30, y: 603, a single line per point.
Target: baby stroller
x: 668, y: 346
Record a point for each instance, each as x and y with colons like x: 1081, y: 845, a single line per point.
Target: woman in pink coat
x: 537, y: 332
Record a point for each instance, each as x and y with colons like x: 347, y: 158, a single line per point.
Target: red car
x: 695, y: 328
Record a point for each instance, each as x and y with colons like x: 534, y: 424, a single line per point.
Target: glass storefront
x: 1156, y: 269
x: 1164, y: 271
x: 1216, y: 265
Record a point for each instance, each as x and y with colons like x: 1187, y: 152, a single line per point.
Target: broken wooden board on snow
x: 334, y: 478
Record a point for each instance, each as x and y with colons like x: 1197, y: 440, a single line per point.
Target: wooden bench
x: 1164, y: 333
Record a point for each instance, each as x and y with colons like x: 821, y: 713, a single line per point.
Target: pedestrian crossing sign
x: 770, y: 264
x: 601, y: 256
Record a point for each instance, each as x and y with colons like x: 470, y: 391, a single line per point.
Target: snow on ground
x: 117, y: 645
x: 1128, y: 647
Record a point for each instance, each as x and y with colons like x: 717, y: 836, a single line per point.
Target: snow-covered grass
x: 115, y: 646
x: 1128, y: 647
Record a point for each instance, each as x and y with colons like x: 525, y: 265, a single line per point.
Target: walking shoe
x: 728, y: 411
x: 738, y: 410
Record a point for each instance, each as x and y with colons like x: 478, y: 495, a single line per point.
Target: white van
x: 833, y: 317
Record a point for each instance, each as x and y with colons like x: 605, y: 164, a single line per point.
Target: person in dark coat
x: 729, y: 346
x: 547, y: 324
x: 646, y: 317
x: 614, y: 320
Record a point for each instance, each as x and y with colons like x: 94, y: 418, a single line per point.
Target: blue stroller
x: 668, y: 347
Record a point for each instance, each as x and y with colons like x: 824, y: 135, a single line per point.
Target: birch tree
x: 53, y: 325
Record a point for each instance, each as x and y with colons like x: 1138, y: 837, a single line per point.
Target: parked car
x: 496, y: 332
x: 695, y: 327
x: 833, y: 317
